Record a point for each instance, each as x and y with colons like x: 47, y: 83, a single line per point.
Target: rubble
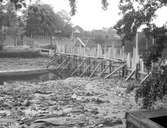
x: 73, y: 103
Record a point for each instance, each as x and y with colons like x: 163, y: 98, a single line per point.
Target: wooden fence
x: 133, y: 59
x: 109, y: 53
x: 98, y: 52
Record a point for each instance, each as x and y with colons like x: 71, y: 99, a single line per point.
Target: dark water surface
x: 29, y: 78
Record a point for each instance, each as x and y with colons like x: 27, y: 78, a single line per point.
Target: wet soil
x: 70, y: 103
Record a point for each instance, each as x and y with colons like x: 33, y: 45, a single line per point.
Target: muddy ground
x: 69, y: 103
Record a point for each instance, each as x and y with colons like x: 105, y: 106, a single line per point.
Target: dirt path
x: 69, y: 103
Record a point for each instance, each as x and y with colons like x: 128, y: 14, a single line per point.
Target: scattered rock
x: 99, y: 101
x: 72, y: 103
x: 89, y: 94
x: 112, y: 122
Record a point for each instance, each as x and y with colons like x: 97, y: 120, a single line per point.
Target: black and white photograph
x: 83, y: 63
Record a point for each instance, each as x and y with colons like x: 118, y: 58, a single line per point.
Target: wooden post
x: 74, y: 62
x: 137, y: 75
x: 128, y: 61
x: 88, y: 63
x: 61, y: 58
x: 78, y: 67
x: 131, y: 74
x: 124, y: 71
x: 82, y: 66
x: 145, y: 78
x: 99, y: 50
x: 137, y: 56
x: 95, y: 69
x: 85, y: 70
x: 110, y: 66
x: 106, y: 67
x: 115, y: 71
x: 61, y: 64
x: 123, y: 53
x: 54, y: 59
x: 94, y: 63
x: 102, y: 65
x: 69, y: 65
x: 137, y: 48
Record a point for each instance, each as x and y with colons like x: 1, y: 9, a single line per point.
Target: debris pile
x: 69, y: 103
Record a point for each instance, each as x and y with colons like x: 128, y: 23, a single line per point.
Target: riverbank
x: 73, y: 102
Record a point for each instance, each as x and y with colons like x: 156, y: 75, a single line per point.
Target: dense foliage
x: 22, y: 3
x: 42, y: 20
x: 36, y: 19
x: 135, y: 14
x: 155, y: 52
x: 154, y: 89
x: 18, y: 4
x: 8, y: 19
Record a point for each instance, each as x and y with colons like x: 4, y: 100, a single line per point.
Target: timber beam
x: 120, y: 67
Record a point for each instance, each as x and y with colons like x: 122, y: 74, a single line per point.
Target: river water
x: 29, y: 78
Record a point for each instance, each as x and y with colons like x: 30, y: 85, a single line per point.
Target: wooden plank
x: 95, y: 69
x: 124, y: 71
x: 145, y: 78
x: 115, y: 71
x: 65, y: 66
x: 104, y: 70
x: 137, y: 75
x: 102, y: 66
x: 131, y: 74
x: 78, y: 67
x: 85, y: 70
x: 88, y: 63
x: 111, y: 59
x: 62, y: 64
x: 74, y: 63
x: 110, y: 64
x: 141, y: 119
x: 51, y: 61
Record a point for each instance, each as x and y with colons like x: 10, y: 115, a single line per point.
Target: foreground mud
x: 69, y: 103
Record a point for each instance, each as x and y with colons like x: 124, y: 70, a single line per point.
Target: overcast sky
x: 91, y: 16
